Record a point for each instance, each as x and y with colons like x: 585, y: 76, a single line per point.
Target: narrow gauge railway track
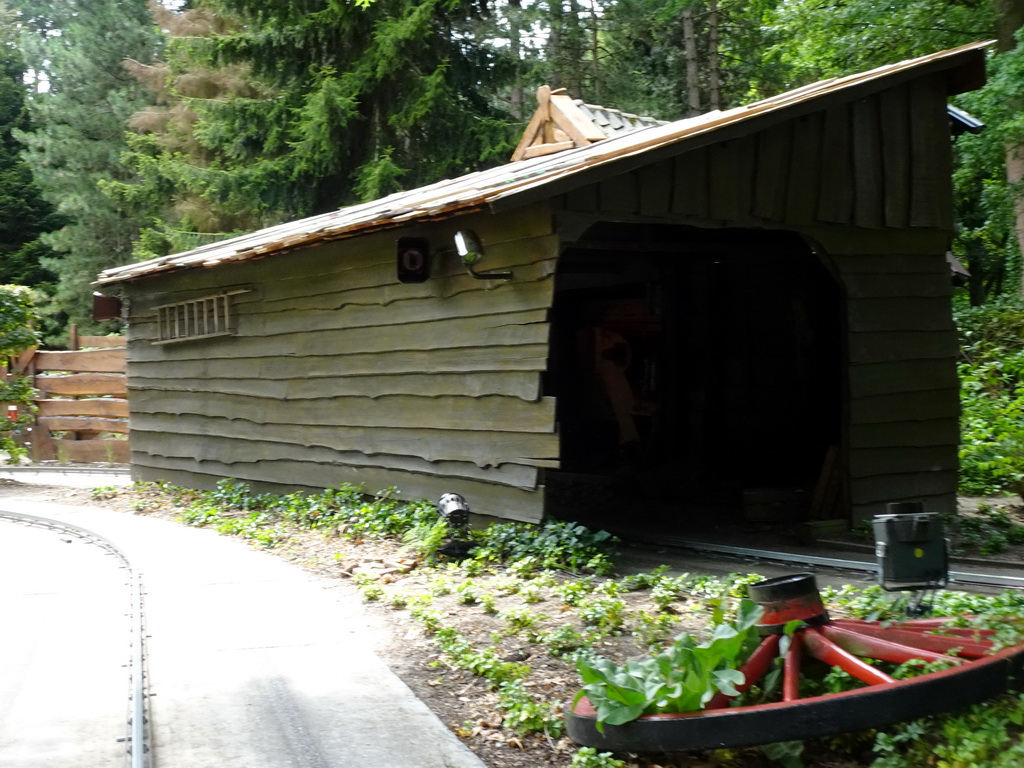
x: 137, y: 743
x: 976, y: 577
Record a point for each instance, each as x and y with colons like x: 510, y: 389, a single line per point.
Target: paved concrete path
x: 253, y: 662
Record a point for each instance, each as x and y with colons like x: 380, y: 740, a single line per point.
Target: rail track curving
x: 137, y: 740
x: 965, y: 577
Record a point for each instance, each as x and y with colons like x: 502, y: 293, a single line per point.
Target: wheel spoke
x: 823, y: 649
x: 938, y: 623
x: 885, y: 647
x: 970, y: 642
x: 791, y: 668
x: 753, y: 670
x: 921, y: 643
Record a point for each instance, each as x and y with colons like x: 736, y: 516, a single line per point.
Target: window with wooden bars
x: 195, y: 319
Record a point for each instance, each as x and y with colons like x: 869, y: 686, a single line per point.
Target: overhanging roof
x: 519, y: 183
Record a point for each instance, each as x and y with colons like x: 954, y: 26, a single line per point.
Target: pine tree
x: 82, y: 100
x: 24, y: 214
x: 276, y: 110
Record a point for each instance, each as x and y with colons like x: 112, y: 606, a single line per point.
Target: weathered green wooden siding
x: 904, y: 394
x: 339, y: 373
x: 870, y: 182
x: 880, y: 162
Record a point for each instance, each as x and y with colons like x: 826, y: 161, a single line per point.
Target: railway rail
x: 138, y: 751
x: 976, y: 577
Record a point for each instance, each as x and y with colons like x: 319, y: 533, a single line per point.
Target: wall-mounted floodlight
x: 454, y: 509
x: 468, y: 246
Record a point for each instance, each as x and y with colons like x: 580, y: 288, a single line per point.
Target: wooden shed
x: 750, y: 306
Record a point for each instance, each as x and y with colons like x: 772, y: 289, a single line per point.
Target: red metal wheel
x: 976, y: 672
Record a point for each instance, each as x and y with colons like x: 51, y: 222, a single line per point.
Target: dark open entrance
x: 697, y: 374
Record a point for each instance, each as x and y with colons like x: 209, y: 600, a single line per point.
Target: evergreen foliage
x: 24, y: 215
x: 82, y: 98
x: 277, y: 110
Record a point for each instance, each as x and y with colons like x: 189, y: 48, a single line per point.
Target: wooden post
x: 43, y: 448
x: 74, y: 344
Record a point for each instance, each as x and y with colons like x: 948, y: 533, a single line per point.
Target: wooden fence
x: 83, y: 406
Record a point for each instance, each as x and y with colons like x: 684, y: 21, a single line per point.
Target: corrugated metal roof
x: 614, y: 122
x: 512, y: 182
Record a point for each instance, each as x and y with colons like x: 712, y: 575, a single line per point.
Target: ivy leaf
x: 727, y: 680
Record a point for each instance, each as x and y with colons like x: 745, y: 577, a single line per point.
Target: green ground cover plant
x: 991, y: 373
x: 19, y: 317
x: 537, y: 613
x: 681, y: 678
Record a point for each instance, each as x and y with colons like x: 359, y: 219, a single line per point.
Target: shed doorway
x: 697, y: 375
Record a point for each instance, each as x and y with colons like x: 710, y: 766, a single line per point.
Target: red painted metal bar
x: 960, y: 646
x: 881, y: 648
x: 823, y: 649
x: 791, y: 668
x: 939, y: 623
x: 932, y: 627
x: 977, y: 634
x: 753, y: 670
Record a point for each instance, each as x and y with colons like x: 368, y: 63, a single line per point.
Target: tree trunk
x: 554, y: 44
x: 1010, y: 18
x: 714, y: 83
x: 517, y: 96
x: 596, y: 81
x: 690, y: 52
x: 574, y: 43
x: 1015, y: 178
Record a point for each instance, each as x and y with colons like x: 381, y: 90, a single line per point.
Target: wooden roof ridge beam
x: 570, y: 118
x: 556, y: 112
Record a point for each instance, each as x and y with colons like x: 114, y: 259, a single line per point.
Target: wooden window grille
x: 196, y: 319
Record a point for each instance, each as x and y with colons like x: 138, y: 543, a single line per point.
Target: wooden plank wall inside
x: 83, y: 406
x: 338, y: 373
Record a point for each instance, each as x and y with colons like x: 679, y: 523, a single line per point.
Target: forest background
x: 130, y: 130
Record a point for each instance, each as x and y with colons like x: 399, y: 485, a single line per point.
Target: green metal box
x: 911, y: 548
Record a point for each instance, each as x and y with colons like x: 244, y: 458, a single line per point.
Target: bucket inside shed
x: 698, y: 378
